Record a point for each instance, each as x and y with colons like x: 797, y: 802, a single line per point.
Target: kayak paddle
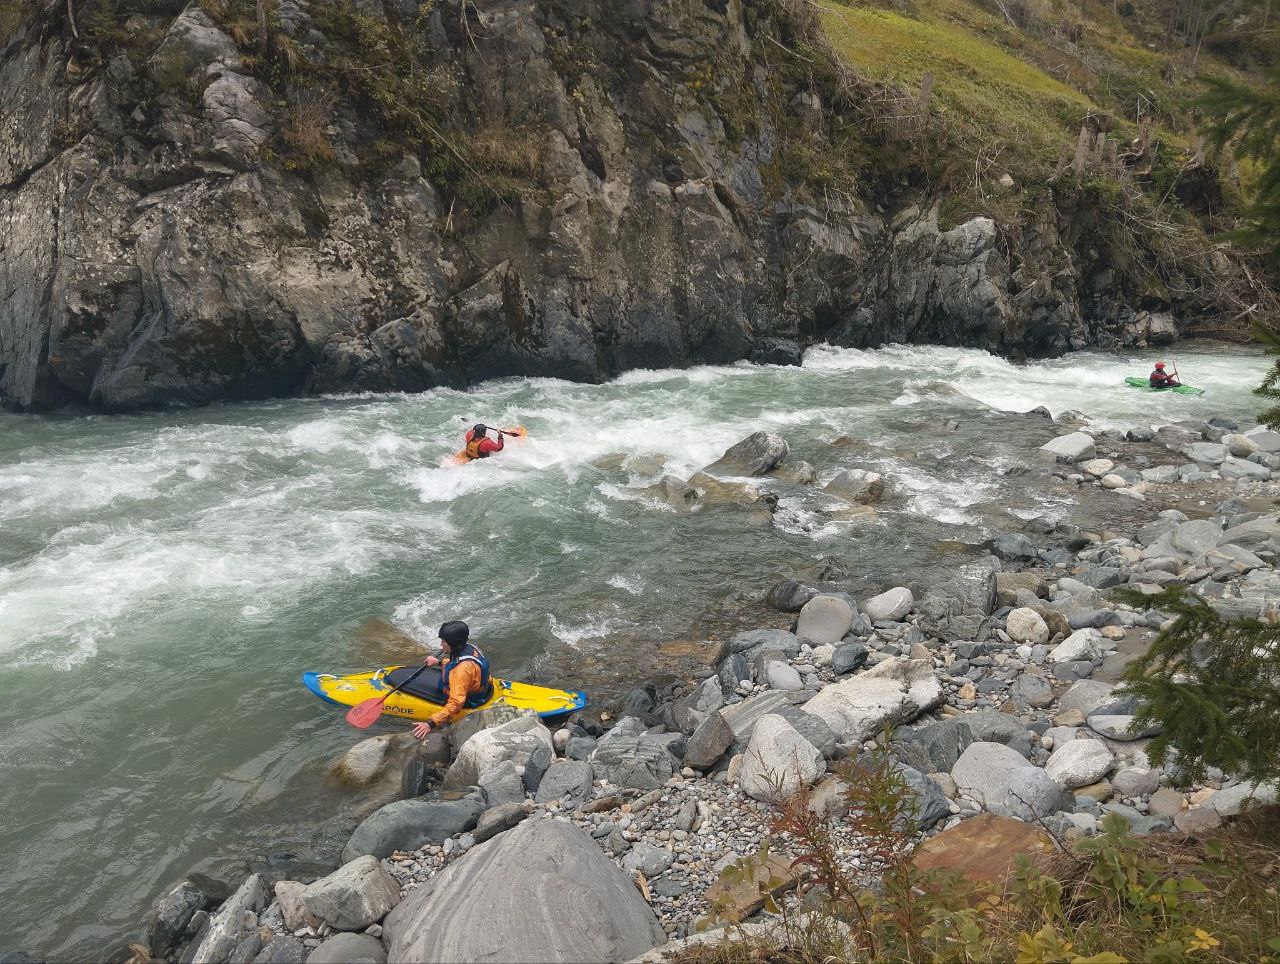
x: 362, y: 715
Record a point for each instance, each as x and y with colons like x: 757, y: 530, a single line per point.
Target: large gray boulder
x: 755, y: 641
x: 857, y: 486
x: 1006, y: 782
x: 354, y: 896
x: 1079, y: 763
x: 778, y: 761
x: 408, y: 824
x: 742, y: 717
x: 991, y: 726
x: 1076, y: 447
x: 895, y: 691
x: 933, y: 747
x: 171, y: 915
x: 541, y: 892
x: 757, y: 454
x: 633, y: 761
x: 713, y: 736
x: 929, y: 804
x: 825, y: 619
x: 524, y: 741
x: 962, y: 607
x: 235, y: 920
x: 892, y: 604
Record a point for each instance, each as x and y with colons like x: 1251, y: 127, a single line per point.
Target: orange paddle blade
x: 363, y: 715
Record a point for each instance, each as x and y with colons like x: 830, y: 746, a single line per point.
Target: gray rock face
x: 742, y: 717
x: 934, y: 747
x: 504, y: 784
x: 709, y: 741
x: 848, y: 657
x: 1006, y: 782
x: 961, y: 608
x: 778, y: 761
x: 354, y: 896
x: 349, y: 949
x: 989, y: 726
x: 857, y: 486
x: 647, y: 859
x: 171, y: 915
x: 497, y: 819
x: 892, y: 604
x: 282, y: 949
x: 566, y: 780
x: 790, y: 596
x: 930, y: 804
x: 755, y: 641
x: 524, y: 741
x: 1076, y: 447
x: 895, y: 691
x: 1079, y: 763
x: 233, y: 922
x: 757, y: 454
x: 541, y: 892
x: 408, y: 824
x: 825, y: 619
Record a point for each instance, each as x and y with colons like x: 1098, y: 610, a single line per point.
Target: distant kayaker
x: 464, y: 676
x: 479, y: 445
x: 1161, y: 379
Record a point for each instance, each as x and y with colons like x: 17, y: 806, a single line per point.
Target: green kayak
x: 1145, y: 385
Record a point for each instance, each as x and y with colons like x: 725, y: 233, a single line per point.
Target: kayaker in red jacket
x: 479, y: 445
x: 1161, y: 379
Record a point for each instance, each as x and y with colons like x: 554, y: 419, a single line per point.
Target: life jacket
x: 471, y: 653
x: 473, y: 446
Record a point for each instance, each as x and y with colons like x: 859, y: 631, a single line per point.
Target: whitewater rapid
x: 165, y: 578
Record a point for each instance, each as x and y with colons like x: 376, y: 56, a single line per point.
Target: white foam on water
x: 633, y: 586
x: 574, y: 634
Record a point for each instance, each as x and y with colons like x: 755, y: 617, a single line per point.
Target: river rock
x: 989, y: 726
x: 504, y: 784
x: 1232, y: 800
x: 1006, y: 782
x: 1097, y: 467
x: 1135, y: 781
x: 1211, y: 453
x: 485, y: 719
x: 1241, y: 446
x: 1187, y: 540
x: 233, y: 922
x: 569, y: 781
x: 778, y: 761
x: 171, y: 915
x: 825, y: 619
x: 757, y: 454
x: 849, y: 656
x: 1026, y: 626
x: 1079, y: 763
x: 363, y: 763
x: 985, y: 850
x: 759, y: 640
x: 1139, y: 823
x: 1076, y: 447
x: 1083, y: 644
x: 636, y: 762
x: 961, y: 608
x: 1085, y: 696
x: 1240, y: 469
x: 349, y: 949
x: 408, y: 824
x: 896, y: 691
x: 647, y: 859
x: 1120, y: 726
x: 497, y: 819
x: 1031, y: 690
x: 1008, y: 584
x: 354, y: 896
x: 524, y: 741
x: 541, y: 892
x: 790, y: 596
x: 929, y: 805
x: 933, y: 747
x: 812, y: 728
x: 709, y: 742
x: 282, y: 949
x: 857, y: 486
x: 742, y: 717
x: 1014, y: 547
x: 891, y: 605
x: 780, y: 675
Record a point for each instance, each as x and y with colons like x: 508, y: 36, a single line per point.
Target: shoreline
x: 949, y: 658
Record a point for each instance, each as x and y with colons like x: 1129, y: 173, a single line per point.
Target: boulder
x: 1014, y: 547
x: 709, y: 742
x: 811, y: 728
x: 778, y: 761
x: 1008, y: 584
x: 1120, y: 726
x: 354, y: 896
x: 568, y: 781
x: 849, y: 656
x: 742, y: 717
x: 891, y: 605
x: 349, y: 949
x: 364, y: 762
x: 990, y: 726
x: 1076, y: 447
x: 984, y: 850
x: 1031, y: 690
x: 759, y: 640
x: 171, y: 915
x: 1006, y: 782
x: 1211, y: 453
x: 282, y: 949
x: 524, y: 741
x: 408, y: 824
x: 1136, y: 781
x: 1085, y: 696
x: 962, y: 607
x: 289, y: 895
x: 929, y: 805
x: 504, y: 784
x: 1139, y: 823
x: 1026, y: 626
x: 1079, y: 763
x: 541, y: 892
x: 1232, y: 800
x: 895, y: 691
x: 1083, y: 644
x: 790, y: 596
x: 781, y: 675
x: 933, y: 747
x: 857, y: 486
x: 1187, y: 540
x: 235, y: 920
x: 637, y: 762
x: 825, y: 619
x: 757, y: 454
x: 497, y: 819
x: 647, y: 859
x: 485, y: 719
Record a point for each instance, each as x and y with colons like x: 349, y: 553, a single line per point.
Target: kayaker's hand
x: 432, y: 661
x: 422, y: 730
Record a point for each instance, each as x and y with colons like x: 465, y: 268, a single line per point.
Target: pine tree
x: 1270, y: 387
x: 1213, y: 685
x: 1246, y: 121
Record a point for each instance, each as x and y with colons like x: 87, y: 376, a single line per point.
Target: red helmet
x: 1159, y: 364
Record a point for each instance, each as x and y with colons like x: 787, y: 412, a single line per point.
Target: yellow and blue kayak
x: 425, y: 701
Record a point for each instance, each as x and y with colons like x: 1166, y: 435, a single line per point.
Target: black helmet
x: 477, y: 431
x: 455, y: 633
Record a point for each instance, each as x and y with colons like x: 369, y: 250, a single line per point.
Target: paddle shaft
x: 504, y: 431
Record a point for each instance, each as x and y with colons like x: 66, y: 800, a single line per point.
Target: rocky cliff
x: 397, y: 196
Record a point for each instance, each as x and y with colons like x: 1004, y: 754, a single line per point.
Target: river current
x: 165, y: 578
